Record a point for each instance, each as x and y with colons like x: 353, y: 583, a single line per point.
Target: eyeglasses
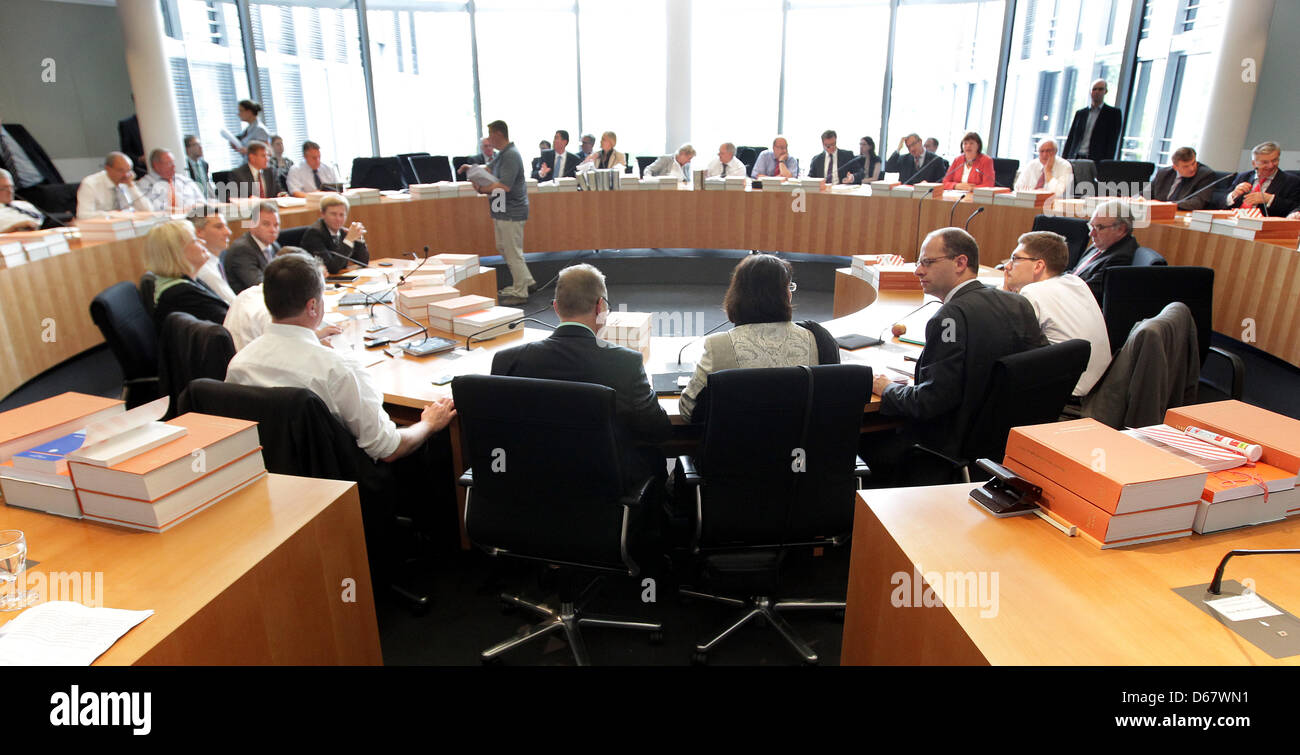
x: 793, y: 287
x: 928, y: 262
x: 1014, y: 259
x: 1096, y: 227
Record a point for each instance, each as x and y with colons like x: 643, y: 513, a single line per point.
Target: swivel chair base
x: 569, y: 620
x: 763, y: 608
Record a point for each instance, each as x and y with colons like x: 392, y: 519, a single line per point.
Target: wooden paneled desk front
x: 258, y: 578
x: 1025, y: 594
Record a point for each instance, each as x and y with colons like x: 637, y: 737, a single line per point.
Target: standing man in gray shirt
x: 508, y: 204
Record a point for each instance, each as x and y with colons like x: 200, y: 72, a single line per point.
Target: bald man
x: 112, y: 188
x: 1094, y: 134
x: 1048, y: 173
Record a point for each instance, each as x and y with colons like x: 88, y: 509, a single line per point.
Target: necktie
x: 172, y: 189
x: 117, y: 197
x: 1042, y: 179
x: 315, y: 174
x: 1173, y: 190
x: 830, y: 168
x: 28, y: 213
x: 724, y: 170
x: 1085, y: 262
x: 261, y: 190
x: 559, y: 165
x: 1259, y: 183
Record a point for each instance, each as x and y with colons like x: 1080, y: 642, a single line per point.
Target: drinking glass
x: 13, y: 569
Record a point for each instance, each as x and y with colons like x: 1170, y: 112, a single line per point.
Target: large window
x: 735, y: 73
x: 423, y: 77
x: 1074, y: 42
x: 834, y: 72
x: 945, y: 67
x: 624, y: 68
x: 528, y: 68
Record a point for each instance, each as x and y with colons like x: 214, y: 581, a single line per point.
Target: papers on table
x: 63, y: 633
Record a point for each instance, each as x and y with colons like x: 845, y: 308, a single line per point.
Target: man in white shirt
x: 112, y: 188
x: 672, y: 165
x: 212, y: 230
x: 1064, y: 304
x: 726, y: 165
x: 311, y: 174
x: 167, y: 190
x: 289, y: 354
x: 15, y: 214
x: 1048, y: 173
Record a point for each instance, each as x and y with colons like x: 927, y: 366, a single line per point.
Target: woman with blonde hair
x: 174, y: 255
x: 607, y: 156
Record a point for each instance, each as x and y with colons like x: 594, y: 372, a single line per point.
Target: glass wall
x: 736, y: 74
x: 624, y: 74
x: 945, y: 66
x: 834, y: 72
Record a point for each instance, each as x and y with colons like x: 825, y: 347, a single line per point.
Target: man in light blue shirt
x: 777, y: 162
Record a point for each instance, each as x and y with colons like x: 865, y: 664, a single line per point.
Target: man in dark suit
x: 333, y: 240
x: 245, y: 177
x: 1094, y: 134
x: 916, y: 164
x: 1180, y: 181
x: 485, y: 154
x: 1275, y: 192
x: 573, y: 352
x: 249, y: 254
x: 826, y: 165
x: 557, y: 162
x: 1113, y: 245
x: 976, y: 326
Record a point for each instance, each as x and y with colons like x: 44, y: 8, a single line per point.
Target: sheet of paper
x: 480, y: 176
x: 124, y: 422
x: 229, y: 137
x: 1242, y: 607
x: 63, y: 633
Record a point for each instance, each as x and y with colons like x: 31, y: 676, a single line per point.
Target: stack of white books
x: 360, y: 195
x: 667, y: 183
x: 459, y: 266
x: 530, y: 184
x: 630, y: 182
x: 902, y: 190
x: 986, y: 194
x: 11, y: 251
x: 953, y: 195
x: 424, y: 191
x: 466, y: 189
x: 777, y: 184
x: 442, y: 314
x: 736, y: 183
x: 566, y: 184
x: 1224, y: 226
x: 41, y: 244
x: 717, y: 183
x: 485, y: 323
x: 145, y: 221
x: 314, y: 198
x: 1202, y: 220
x: 630, y: 329
x: 415, y: 300
x: 111, y: 228
x: 883, y: 187
x: 923, y: 189
x: 811, y: 184
x: 600, y: 179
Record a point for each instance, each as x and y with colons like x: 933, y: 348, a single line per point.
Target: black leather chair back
x: 748, y: 156
x: 1219, y: 194
x: 131, y: 336
x: 1128, y: 176
x: 1146, y: 256
x: 432, y: 169
x: 292, y: 236
x: 383, y: 173
x: 1085, y: 177
x: 1004, y: 172
x: 148, y: 282
x: 408, y: 170
x: 779, y: 453
x: 1075, y: 231
x: 458, y: 161
x: 188, y: 349
x: 1136, y: 293
x: 643, y: 162
x: 221, y: 177
x: 1028, y: 388
x: 545, y: 461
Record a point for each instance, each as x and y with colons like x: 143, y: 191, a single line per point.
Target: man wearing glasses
x: 1111, y: 231
x: 976, y: 326
x: 573, y: 352
x: 1062, y: 301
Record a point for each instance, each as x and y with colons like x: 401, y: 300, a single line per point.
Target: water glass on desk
x: 13, y: 571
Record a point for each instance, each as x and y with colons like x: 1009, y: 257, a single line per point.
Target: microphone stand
x: 693, y: 340
x: 423, y: 328
x: 509, y: 326
x: 954, y: 206
x: 972, y: 217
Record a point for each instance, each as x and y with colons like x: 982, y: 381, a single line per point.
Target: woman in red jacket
x: 973, y: 168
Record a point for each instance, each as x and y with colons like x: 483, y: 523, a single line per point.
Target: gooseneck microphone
x: 693, y: 340
x: 972, y: 217
x: 954, y: 207
x: 423, y: 328
x: 509, y: 326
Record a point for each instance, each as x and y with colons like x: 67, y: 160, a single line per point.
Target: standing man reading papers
x: 509, y: 208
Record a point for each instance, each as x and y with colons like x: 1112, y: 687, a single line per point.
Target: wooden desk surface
x: 255, y: 579
x: 1060, y: 600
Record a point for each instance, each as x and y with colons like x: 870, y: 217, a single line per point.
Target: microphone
x: 1216, y: 585
x: 954, y: 207
x: 423, y: 328
x: 916, y: 177
x: 918, y: 213
x: 509, y: 326
x: 972, y: 217
x: 881, y: 337
x: 693, y: 340
x: 402, y: 278
x: 1206, y: 187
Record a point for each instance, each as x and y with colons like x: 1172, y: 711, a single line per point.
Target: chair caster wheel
x: 700, y: 659
x: 657, y: 637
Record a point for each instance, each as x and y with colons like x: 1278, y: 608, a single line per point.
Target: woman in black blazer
x: 174, y: 254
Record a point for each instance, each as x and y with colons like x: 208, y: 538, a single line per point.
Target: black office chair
x: 545, y: 484
x: 777, y: 470
x: 1219, y: 194
x: 1125, y: 177
x: 301, y: 437
x: 148, y: 282
x: 1028, y: 388
x: 748, y: 156
x: 1145, y: 256
x: 408, y: 171
x: 432, y: 169
x: 132, y: 337
x: 1136, y: 293
x: 383, y: 173
x: 1085, y: 177
x: 189, y: 349
x: 460, y: 160
x: 1004, y: 172
x: 1075, y: 231
x: 221, y: 177
x: 643, y: 162
x: 292, y: 236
